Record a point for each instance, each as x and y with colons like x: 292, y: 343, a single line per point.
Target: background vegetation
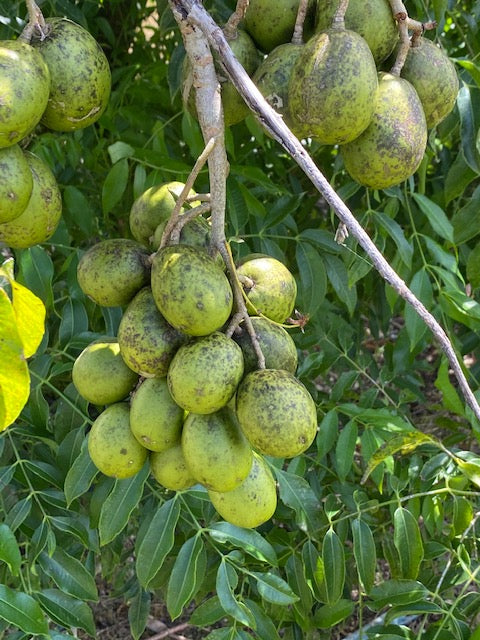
x: 381, y: 515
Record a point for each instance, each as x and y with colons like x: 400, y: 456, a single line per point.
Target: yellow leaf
x: 30, y: 314
x: 14, y: 375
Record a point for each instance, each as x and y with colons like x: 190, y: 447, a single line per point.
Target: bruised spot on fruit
x: 124, y: 452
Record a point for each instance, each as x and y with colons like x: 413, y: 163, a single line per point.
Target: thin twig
x: 406, y: 24
x: 186, y: 217
x: 338, y: 21
x: 168, y: 633
x: 274, y: 124
x: 297, y: 37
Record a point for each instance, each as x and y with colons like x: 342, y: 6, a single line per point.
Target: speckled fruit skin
x: 205, y: 373
x: 271, y: 23
x: 216, y: 451
x: 147, y: 342
x: 170, y: 469
x: 392, y: 147
x: 196, y: 233
x: 79, y: 72
x: 24, y: 90
x: 332, y: 86
x: 275, y: 342
x: 41, y: 216
x: 155, y: 418
x: 113, y: 271
x: 16, y: 183
x: 274, y: 288
x: 153, y: 207
x: 253, y: 502
x: 372, y: 19
x: 276, y: 413
x: 272, y: 78
x: 100, y: 374
x: 435, y: 80
x: 190, y: 289
x: 112, y: 446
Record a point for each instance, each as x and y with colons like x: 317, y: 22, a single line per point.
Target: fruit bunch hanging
x: 55, y: 75
x: 180, y: 383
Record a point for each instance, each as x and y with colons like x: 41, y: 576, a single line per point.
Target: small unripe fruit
x: 170, y: 469
x: 16, y: 183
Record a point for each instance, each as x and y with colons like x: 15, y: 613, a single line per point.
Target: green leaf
x: 119, y: 150
x: 36, y: 272
x: 467, y: 127
x: 451, y: 399
x: 207, y: 613
x: 473, y: 266
x: 329, y: 615
x: 297, y: 580
x: 224, y: 587
x: 327, y: 433
x: 22, y: 611
x: 74, y: 526
x: 415, y: 325
x: 9, y: 551
x: 138, y: 613
x: 14, y: 375
x: 395, y: 231
x: 74, y: 320
x: 470, y: 469
x: 69, y: 574
x: 120, y: 503
x: 80, y: 475
x: 397, y: 592
x: 405, y: 443
x: 274, y: 589
x: 18, y: 513
x: 333, y: 559
x: 157, y: 542
x: 345, y: 449
x: 297, y: 494
x: 187, y: 575
x: 264, y: 627
x: 408, y: 541
x: 114, y: 185
x: 249, y: 540
x: 414, y: 609
x: 364, y: 553
x: 313, y: 278
x: 338, y: 277
x: 66, y: 611
x: 436, y: 217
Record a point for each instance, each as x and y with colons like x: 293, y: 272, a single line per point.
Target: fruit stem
x: 231, y: 26
x: 405, y: 23
x: 338, y: 21
x: 36, y: 22
x: 297, y: 37
x: 186, y: 217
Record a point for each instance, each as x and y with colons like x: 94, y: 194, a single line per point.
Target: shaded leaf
x: 207, y: 613
x: 344, y: 452
x: 80, y: 475
x: 249, y: 540
x: 328, y: 615
x: 313, y: 278
x: 408, y: 541
x: 114, y: 185
x: 22, y: 611
x: 233, y: 607
x: 9, y: 551
x: 397, y: 592
x: 297, y: 494
x: 421, y: 286
x: 187, y: 575
x: 333, y: 557
x: 274, y: 589
x: 364, y: 553
x: 67, y: 611
x: 138, y: 613
x: 69, y: 574
x: 436, y: 216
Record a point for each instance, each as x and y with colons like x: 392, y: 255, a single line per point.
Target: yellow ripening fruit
x: 170, y: 469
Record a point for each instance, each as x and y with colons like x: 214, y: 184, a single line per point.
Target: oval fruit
x: 147, y: 342
x: 16, y: 183
x: 190, y: 289
x: 155, y: 418
x: 113, y: 448
x: 100, y: 374
x: 275, y: 343
x: 113, y: 271
x: 216, y: 452
x: 434, y: 77
x: 42, y: 214
x: 332, y: 86
x: 195, y: 232
x: 79, y: 73
x: 392, y: 147
x: 253, y: 502
x: 24, y: 90
x: 276, y: 413
x: 170, y: 469
x: 269, y: 286
x: 205, y: 373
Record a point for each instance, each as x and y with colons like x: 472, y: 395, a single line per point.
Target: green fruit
x: 113, y: 271
x: 434, y: 77
x: 269, y: 286
x: 147, y: 342
x: 153, y: 207
x: 155, y: 419
x: 216, y: 452
x: 24, y: 90
x: 100, y: 375
x: 170, y: 469
x: 272, y: 23
x: 190, y: 289
x: 272, y: 79
x: 333, y: 86
x: 392, y: 147
x: 372, y: 19
x: 41, y: 216
x: 16, y: 183
x: 112, y: 446
x: 276, y: 413
x: 205, y: 373
x: 79, y: 72
x: 275, y: 342
x: 196, y: 233
x: 253, y: 502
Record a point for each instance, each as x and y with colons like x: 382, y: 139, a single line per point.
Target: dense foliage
x: 380, y: 516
